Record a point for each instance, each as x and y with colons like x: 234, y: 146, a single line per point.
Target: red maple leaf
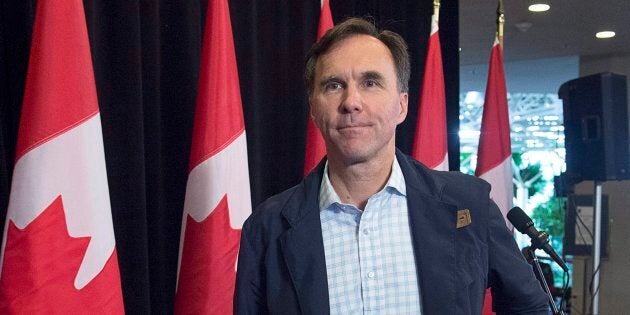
x: 207, y: 271
x: 40, y: 265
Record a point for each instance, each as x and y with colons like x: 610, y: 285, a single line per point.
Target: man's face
x: 356, y: 103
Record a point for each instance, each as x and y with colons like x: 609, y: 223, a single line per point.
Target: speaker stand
x: 597, y: 234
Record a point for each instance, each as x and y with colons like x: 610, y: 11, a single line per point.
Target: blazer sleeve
x: 514, y: 287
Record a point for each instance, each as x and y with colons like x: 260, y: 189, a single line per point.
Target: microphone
x: 524, y: 224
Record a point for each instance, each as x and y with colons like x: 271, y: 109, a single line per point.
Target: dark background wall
x: 146, y: 58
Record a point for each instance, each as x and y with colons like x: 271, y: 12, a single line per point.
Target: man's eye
x: 371, y: 83
x: 331, y: 86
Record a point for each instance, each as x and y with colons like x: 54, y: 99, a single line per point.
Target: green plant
x: 550, y: 217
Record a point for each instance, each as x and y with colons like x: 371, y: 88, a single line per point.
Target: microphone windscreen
x: 519, y: 219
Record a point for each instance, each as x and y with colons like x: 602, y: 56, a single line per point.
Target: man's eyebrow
x: 373, y: 75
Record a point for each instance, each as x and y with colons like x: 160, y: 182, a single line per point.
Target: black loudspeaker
x: 596, y: 127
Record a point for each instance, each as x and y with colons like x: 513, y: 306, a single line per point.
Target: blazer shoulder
x: 452, y: 187
x: 271, y: 209
x: 460, y: 186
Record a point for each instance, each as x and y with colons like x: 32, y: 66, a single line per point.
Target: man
x: 371, y: 230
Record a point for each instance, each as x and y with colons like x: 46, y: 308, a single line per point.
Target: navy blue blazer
x: 282, y: 268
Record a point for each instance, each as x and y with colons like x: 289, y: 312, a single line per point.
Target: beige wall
x: 619, y: 64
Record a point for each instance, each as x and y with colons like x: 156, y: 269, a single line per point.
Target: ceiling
x: 567, y: 29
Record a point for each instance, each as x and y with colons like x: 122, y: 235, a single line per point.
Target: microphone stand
x: 541, y: 276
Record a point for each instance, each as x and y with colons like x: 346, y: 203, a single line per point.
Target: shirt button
x: 371, y: 274
x: 366, y: 231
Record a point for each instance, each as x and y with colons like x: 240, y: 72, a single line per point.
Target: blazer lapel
x: 433, y: 231
x: 303, y: 249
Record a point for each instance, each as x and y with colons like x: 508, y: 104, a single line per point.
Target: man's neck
x: 356, y: 183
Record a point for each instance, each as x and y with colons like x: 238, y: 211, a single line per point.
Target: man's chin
x: 352, y: 156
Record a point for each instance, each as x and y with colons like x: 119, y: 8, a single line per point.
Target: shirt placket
x: 368, y: 250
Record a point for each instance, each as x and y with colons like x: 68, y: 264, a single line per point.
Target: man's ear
x: 310, y: 108
x: 404, y: 106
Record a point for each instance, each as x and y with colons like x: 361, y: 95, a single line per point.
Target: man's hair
x: 353, y: 27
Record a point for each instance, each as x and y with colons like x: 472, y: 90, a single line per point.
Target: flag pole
x: 436, y: 9
x: 500, y: 22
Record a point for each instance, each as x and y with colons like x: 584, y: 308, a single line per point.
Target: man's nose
x: 352, y: 101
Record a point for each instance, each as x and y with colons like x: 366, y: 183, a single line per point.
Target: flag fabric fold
x: 315, y: 146
x: 217, y: 200
x: 59, y: 251
x: 430, y: 140
x: 494, y: 153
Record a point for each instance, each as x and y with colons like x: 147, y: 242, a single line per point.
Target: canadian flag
x: 430, y: 141
x: 218, y: 197
x: 58, y: 250
x: 315, y: 146
x: 494, y: 153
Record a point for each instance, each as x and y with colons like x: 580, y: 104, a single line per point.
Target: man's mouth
x: 352, y: 126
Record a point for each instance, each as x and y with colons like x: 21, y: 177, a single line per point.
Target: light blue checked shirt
x: 369, y: 255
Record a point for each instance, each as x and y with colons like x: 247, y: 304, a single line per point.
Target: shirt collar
x: 328, y: 196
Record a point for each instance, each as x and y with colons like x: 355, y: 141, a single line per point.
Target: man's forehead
x: 368, y: 41
x: 354, y: 48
